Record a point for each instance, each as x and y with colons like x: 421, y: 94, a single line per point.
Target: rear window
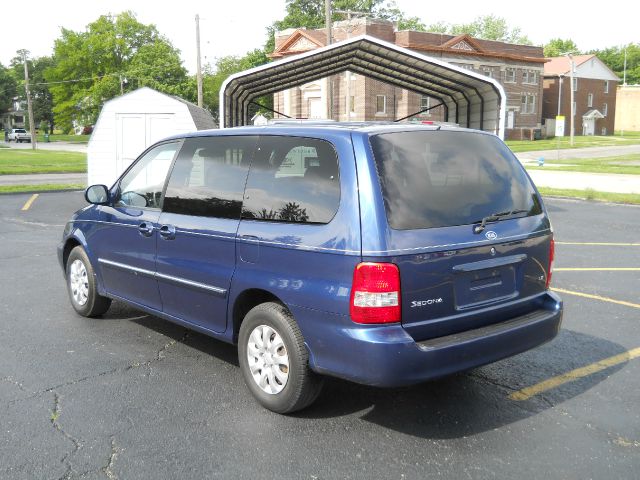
x: 442, y: 178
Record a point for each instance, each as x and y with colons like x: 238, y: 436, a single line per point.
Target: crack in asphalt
x: 77, y: 445
x: 159, y: 356
x: 57, y: 410
x: 14, y: 382
x: 108, y: 469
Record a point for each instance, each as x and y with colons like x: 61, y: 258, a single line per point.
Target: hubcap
x: 268, y: 359
x: 79, y: 282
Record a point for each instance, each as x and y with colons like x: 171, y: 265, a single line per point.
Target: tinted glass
x: 443, y: 178
x: 293, y: 179
x: 209, y: 176
x: 142, y: 185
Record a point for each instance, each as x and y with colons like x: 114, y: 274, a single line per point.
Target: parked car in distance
x: 19, y: 135
x: 384, y: 254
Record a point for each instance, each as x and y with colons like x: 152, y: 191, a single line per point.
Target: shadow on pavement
x: 453, y: 407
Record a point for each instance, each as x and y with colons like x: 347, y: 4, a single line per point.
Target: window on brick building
x: 425, y: 102
x: 528, y: 103
x: 590, y: 100
x: 530, y: 77
x: 487, y: 71
x: 510, y: 75
x: 605, y: 109
x: 575, y: 84
x: 606, y: 86
x: 381, y: 104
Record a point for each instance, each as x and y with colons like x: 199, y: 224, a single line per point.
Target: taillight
x: 375, y: 293
x: 552, y: 254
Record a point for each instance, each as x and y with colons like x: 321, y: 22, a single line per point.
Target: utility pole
x: 561, y: 77
x: 573, y: 113
x: 198, y: 66
x: 32, y: 128
x: 327, y: 22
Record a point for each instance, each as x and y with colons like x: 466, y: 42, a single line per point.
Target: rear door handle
x: 145, y: 229
x: 168, y: 232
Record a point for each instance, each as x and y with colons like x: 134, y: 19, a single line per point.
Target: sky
x: 237, y: 26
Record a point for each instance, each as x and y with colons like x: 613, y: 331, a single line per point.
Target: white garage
x: 127, y: 125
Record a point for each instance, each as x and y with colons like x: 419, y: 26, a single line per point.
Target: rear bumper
x: 389, y: 357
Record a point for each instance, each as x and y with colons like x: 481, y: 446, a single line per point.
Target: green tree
x: 89, y: 67
x: 558, y: 46
x: 613, y: 57
x: 40, y: 95
x: 490, y: 27
x: 8, y: 88
x: 310, y: 14
x: 214, y: 77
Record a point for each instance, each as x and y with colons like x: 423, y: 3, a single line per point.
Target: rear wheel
x: 274, y: 360
x: 81, y: 284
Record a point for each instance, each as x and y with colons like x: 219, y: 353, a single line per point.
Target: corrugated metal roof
x: 470, y: 99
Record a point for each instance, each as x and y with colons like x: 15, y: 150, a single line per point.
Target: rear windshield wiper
x: 494, y: 217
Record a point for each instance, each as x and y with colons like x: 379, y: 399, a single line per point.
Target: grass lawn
x: 590, y: 194
x: 628, y: 164
x: 47, y: 187
x: 64, y: 138
x: 41, y: 161
x: 562, y: 143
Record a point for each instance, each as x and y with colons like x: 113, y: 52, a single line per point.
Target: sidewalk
x: 603, y: 182
x: 41, y: 178
x: 589, y: 152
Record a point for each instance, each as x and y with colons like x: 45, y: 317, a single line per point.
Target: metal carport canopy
x: 470, y: 99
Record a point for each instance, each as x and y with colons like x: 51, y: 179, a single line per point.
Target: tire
x: 283, y: 386
x: 81, y: 285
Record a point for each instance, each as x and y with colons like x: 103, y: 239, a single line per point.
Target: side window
x: 293, y: 179
x: 142, y: 185
x: 209, y: 176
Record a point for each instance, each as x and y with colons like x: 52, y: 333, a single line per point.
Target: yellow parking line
x: 599, y: 269
x: 607, y: 244
x: 527, y: 393
x: 27, y: 205
x: 596, y: 297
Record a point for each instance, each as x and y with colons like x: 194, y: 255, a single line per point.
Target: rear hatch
x: 467, y: 230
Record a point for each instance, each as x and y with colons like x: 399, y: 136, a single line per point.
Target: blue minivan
x: 384, y: 254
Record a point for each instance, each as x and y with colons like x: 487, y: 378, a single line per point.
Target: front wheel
x: 81, y: 284
x: 274, y: 360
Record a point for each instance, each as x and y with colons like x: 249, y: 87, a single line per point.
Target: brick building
x: 594, y: 89
x: 518, y: 68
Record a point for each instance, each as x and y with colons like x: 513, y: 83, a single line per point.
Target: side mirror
x: 97, y: 194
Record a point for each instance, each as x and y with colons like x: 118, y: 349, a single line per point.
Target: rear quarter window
x: 292, y: 179
x: 441, y: 178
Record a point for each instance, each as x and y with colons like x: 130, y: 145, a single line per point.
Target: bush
x: 87, y: 130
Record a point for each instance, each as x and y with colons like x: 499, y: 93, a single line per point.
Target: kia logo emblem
x: 491, y: 235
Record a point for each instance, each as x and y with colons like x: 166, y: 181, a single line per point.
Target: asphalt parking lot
x: 130, y: 396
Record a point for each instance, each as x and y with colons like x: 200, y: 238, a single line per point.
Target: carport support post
x: 327, y: 22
